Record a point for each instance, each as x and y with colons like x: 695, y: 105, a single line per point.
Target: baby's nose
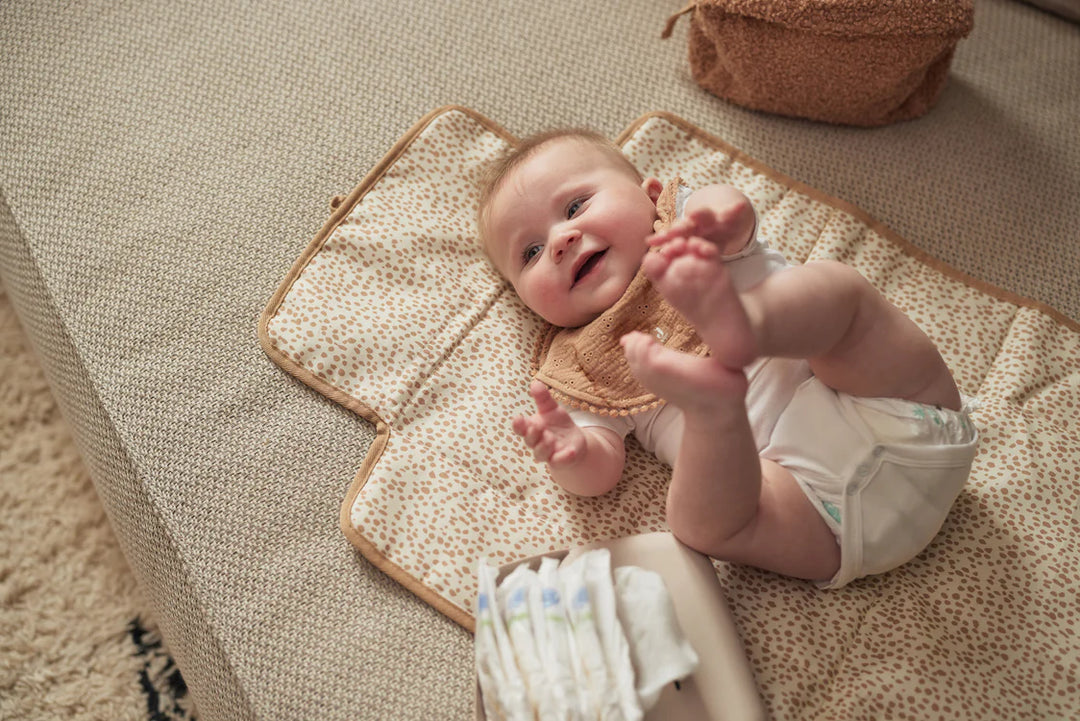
x: 562, y: 242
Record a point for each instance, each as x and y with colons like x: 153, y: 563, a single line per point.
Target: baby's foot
x: 729, y: 225
x: 691, y: 383
x: 691, y: 275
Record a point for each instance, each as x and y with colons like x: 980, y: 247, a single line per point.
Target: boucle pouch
x: 855, y: 62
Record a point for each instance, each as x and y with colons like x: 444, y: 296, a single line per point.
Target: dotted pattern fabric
x: 982, y: 624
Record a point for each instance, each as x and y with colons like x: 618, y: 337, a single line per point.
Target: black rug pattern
x: 159, y: 678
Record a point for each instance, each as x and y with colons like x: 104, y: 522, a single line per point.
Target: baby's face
x: 567, y: 228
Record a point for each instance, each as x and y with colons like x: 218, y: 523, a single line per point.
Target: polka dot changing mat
x: 394, y: 312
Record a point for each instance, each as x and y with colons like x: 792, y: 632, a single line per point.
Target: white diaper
x: 882, y: 472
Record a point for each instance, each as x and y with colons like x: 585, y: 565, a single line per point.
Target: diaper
x: 883, y: 473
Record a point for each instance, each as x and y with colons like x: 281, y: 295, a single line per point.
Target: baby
x: 812, y: 428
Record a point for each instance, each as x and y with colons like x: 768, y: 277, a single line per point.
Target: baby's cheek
x: 545, y: 300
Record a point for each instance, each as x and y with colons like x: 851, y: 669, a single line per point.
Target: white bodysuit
x: 883, y: 473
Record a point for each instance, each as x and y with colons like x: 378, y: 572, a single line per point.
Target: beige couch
x: 162, y: 165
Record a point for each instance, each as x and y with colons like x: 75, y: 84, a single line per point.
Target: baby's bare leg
x: 854, y: 339
x: 723, y: 500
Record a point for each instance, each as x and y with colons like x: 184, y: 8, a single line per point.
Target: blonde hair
x: 502, y: 167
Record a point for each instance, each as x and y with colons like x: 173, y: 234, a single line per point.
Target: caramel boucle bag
x: 857, y: 62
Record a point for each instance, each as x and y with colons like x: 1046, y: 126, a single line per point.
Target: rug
x: 77, y: 640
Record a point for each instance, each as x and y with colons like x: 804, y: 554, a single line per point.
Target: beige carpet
x: 76, y: 637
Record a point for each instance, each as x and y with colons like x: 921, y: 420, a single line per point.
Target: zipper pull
x: 670, y: 26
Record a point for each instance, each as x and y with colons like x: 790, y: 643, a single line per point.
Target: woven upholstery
x: 162, y: 165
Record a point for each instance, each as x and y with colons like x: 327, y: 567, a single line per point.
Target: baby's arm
x: 584, y: 461
x: 720, y: 214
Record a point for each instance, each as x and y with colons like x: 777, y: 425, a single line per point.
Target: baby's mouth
x: 588, y: 265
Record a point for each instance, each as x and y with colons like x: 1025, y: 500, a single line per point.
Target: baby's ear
x: 653, y: 187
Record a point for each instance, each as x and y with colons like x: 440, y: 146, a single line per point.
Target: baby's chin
x: 579, y: 322
x: 608, y: 297
x: 571, y: 318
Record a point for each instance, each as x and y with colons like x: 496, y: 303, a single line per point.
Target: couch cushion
x: 163, y: 165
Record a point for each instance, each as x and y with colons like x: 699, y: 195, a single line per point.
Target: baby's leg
x: 723, y: 500
x: 854, y: 339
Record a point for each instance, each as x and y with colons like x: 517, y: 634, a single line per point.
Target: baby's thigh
x: 882, y: 353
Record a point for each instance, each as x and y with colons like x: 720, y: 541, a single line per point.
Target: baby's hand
x: 720, y: 215
x: 551, y: 434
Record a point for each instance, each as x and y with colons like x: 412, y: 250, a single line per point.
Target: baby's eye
x: 573, y: 208
x: 529, y: 253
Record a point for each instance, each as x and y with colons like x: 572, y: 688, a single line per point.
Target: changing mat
x: 394, y: 312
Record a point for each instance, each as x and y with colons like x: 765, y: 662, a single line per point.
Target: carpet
x: 77, y: 640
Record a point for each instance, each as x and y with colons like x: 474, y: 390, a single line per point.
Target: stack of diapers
x: 634, y: 629
x: 575, y: 640
x: 857, y: 62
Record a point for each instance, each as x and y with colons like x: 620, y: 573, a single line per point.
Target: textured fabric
x: 1065, y: 8
x: 851, y: 18
x: 447, y: 482
x: 76, y: 637
x: 139, y: 527
x: 165, y: 163
x: 860, y: 62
